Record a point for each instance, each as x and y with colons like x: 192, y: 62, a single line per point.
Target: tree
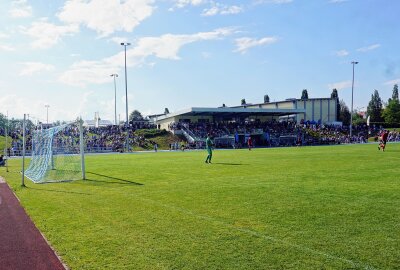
x: 374, y: 109
x: 3, y: 121
x: 266, y: 99
x: 243, y: 102
x: 166, y: 111
x: 334, y: 93
x: 391, y: 113
x: 336, y: 96
x: 135, y: 116
x: 358, y: 119
x: 344, y: 114
x: 304, y: 94
x: 395, y: 94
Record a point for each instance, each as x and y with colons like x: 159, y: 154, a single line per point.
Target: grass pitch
x: 283, y: 208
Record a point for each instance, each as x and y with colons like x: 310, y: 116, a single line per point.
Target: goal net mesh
x: 55, y: 154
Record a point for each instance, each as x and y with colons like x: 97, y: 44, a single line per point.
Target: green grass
x: 3, y: 143
x: 333, y: 207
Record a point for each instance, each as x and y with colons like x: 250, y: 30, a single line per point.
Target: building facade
x: 316, y: 110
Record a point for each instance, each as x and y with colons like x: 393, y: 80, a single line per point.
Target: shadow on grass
x: 228, y: 164
x: 118, y: 180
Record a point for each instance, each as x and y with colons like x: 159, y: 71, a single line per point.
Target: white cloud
x: 258, y: 2
x: 393, y: 82
x: 20, y: 9
x: 46, y: 34
x: 337, y: 1
x: 165, y: 47
x: 118, y: 40
x: 342, y: 53
x: 369, y: 48
x: 184, y: 3
x: 6, y: 48
x: 83, y: 106
x: 221, y: 9
x: 3, y: 46
x: 231, y: 10
x: 107, y: 16
x: 89, y: 72
x: 31, y: 68
x: 18, y: 105
x: 4, y: 36
x: 215, y: 8
x: 210, y: 11
x: 340, y: 85
x: 245, y: 43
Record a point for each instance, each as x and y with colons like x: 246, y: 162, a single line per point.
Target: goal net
x: 56, y: 154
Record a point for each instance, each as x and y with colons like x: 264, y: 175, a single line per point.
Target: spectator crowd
x: 225, y: 134
x: 282, y: 133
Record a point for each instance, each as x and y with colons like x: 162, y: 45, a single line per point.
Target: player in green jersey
x: 209, y: 145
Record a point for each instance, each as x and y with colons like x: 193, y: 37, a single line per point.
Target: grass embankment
x: 333, y: 207
x: 162, y: 137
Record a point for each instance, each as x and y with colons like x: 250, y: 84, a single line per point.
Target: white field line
x: 263, y: 236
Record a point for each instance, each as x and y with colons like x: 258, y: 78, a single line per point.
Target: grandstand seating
x: 226, y: 135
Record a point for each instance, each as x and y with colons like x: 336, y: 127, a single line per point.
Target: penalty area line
x: 260, y: 235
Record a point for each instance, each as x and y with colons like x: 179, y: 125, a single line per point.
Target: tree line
x: 380, y: 112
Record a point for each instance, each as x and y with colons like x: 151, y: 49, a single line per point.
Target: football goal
x: 57, y: 153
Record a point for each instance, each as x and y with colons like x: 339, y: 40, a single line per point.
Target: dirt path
x: 22, y: 246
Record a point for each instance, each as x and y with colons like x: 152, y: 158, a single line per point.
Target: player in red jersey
x: 250, y: 143
x: 384, y: 137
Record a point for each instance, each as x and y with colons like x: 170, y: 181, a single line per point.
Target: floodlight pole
x: 23, y: 152
x: 352, y: 94
x: 115, y: 97
x: 126, y: 99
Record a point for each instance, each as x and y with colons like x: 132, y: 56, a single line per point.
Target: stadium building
x: 314, y: 111
x: 318, y: 110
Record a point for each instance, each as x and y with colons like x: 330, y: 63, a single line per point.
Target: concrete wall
x: 332, y: 112
x: 317, y: 109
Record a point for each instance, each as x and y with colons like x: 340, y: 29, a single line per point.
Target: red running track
x: 22, y: 246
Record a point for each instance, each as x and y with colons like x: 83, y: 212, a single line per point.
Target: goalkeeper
x: 209, y: 145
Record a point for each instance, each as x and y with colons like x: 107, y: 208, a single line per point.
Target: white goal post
x: 57, y: 153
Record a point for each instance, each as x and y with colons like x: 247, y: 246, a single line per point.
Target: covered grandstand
x: 230, y: 126
x: 274, y: 123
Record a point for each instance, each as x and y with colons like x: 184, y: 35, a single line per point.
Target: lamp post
x: 115, y: 97
x: 352, y: 94
x: 126, y: 98
x: 47, y: 109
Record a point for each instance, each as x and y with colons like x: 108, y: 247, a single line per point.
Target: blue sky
x: 191, y: 53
